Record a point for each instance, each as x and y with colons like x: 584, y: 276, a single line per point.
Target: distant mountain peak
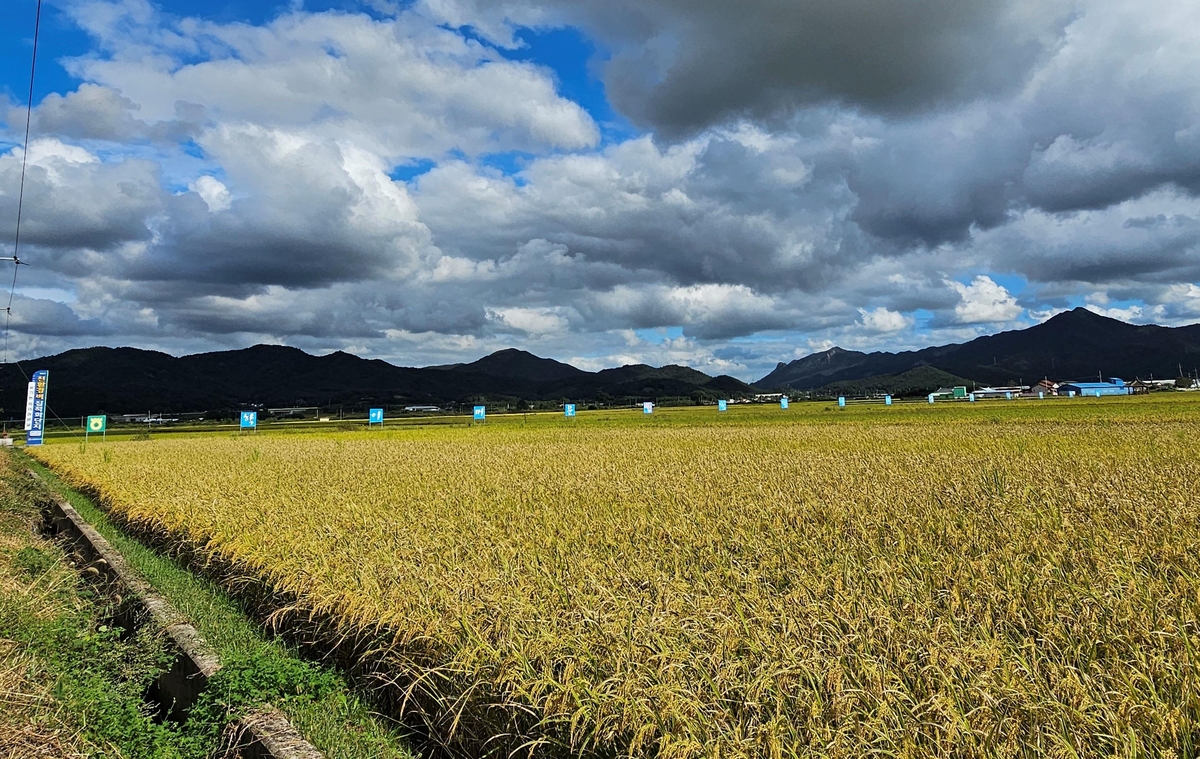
x: 1070, y: 345
x: 520, y: 364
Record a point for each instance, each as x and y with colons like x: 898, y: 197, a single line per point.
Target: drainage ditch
x: 263, y: 733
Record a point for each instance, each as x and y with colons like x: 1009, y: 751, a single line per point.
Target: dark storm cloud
x: 679, y: 66
x: 50, y: 318
x: 724, y: 60
x: 73, y: 201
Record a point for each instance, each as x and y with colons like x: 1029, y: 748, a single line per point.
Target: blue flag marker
x: 722, y: 405
x: 841, y: 401
x: 39, y: 387
x: 931, y: 397
x: 249, y: 420
x: 887, y: 400
x: 1041, y: 395
x: 972, y: 397
x: 375, y: 416
x: 569, y: 409
x: 1008, y: 396
x: 480, y: 413
x: 647, y: 408
x: 783, y: 402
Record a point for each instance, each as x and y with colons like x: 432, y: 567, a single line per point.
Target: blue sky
x: 602, y: 183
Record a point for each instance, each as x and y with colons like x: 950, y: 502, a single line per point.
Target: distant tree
x: 1183, y: 383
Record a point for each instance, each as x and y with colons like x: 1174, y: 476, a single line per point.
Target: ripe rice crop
x: 995, y: 580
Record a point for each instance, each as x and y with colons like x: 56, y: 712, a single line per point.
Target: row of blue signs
x: 479, y: 414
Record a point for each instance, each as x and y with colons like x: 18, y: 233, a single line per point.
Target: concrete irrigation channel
x: 264, y: 733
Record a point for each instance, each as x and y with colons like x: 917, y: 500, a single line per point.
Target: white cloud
x: 400, y: 87
x: 214, y: 194
x: 984, y: 302
x: 532, y: 321
x: 882, y: 320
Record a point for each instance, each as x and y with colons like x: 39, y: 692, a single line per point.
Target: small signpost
x: 29, y: 391
x: 722, y: 405
x: 1041, y: 395
x: 1008, y: 395
x: 96, y: 424
x: 250, y: 420
x: 841, y: 401
x: 375, y: 416
x: 647, y: 408
x: 931, y: 398
x: 783, y: 402
x: 35, y: 406
x: 972, y: 397
x: 480, y: 414
x: 1070, y: 393
x: 887, y: 400
x: 568, y: 410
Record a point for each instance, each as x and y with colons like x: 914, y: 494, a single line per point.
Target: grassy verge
x: 69, y: 686
x: 255, y: 669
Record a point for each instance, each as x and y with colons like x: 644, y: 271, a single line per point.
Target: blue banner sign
x: 647, y: 408
x: 375, y: 416
x: 722, y: 405
x: 972, y: 397
x: 783, y: 402
x: 1041, y: 395
x: 841, y: 401
x: 480, y: 413
x: 568, y: 409
x: 249, y: 420
x: 1008, y: 395
x: 887, y: 400
x: 37, y: 417
x: 931, y: 397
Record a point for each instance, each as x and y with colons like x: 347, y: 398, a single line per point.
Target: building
x: 1000, y: 392
x: 1045, y: 387
x: 1114, y: 386
x: 1152, y: 385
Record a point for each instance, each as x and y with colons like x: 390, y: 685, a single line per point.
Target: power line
x: 16, y: 259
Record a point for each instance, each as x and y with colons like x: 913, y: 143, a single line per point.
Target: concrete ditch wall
x: 264, y: 733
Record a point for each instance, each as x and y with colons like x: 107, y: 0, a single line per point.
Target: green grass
x: 69, y: 685
x: 256, y: 668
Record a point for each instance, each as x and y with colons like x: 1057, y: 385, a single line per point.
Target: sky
x: 721, y: 185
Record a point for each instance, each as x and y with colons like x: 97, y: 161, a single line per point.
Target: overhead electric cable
x: 16, y: 258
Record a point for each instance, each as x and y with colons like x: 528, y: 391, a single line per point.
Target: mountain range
x: 131, y: 380
x: 1076, y: 344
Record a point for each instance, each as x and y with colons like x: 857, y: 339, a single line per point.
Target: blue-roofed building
x: 1114, y: 386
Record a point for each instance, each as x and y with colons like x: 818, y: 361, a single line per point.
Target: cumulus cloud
x: 882, y: 320
x: 985, y: 302
x: 213, y: 192
x: 395, y: 87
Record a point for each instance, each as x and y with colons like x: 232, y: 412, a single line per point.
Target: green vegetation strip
x: 255, y: 669
x: 69, y: 685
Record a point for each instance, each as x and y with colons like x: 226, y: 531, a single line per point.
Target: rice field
x: 994, y: 579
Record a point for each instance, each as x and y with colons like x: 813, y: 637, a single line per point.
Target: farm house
x: 1095, y: 389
